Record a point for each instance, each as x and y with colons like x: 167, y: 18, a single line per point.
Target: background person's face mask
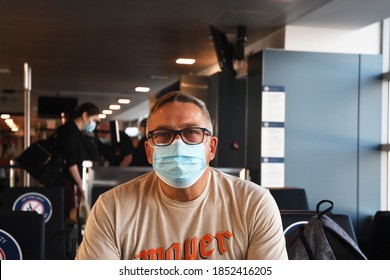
x: 104, y: 140
x: 91, y: 126
x: 179, y: 165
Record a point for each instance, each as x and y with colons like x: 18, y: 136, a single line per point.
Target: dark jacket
x: 70, y: 142
x: 115, y: 152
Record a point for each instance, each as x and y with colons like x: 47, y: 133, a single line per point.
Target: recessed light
x: 102, y: 116
x: 5, y: 71
x: 107, y: 112
x: 142, y: 89
x: 159, y: 77
x: 5, y: 116
x: 123, y: 101
x: 187, y: 61
x: 114, y: 107
x: 132, y: 131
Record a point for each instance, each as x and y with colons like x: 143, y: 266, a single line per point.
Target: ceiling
x: 99, y: 50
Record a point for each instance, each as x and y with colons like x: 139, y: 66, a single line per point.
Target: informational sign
x: 272, y: 136
x: 272, y: 140
x: 273, y: 108
x: 33, y: 201
x: 9, y: 247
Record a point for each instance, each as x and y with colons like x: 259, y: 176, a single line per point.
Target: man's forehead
x: 187, y: 114
x: 104, y: 126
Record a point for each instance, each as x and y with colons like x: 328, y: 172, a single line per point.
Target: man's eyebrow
x: 161, y: 127
x: 187, y: 125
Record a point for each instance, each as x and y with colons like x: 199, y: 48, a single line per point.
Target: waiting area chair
x: 378, y: 245
x: 24, y: 236
x: 290, y: 198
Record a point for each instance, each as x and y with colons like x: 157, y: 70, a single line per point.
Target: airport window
x: 385, y: 189
x: 385, y: 194
x: 387, y: 145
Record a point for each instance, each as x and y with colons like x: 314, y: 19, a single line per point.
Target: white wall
x: 136, y: 113
x: 366, y: 40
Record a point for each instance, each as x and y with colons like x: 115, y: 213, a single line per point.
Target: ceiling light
x: 5, y: 71
x: 123, y: 101
x: 102, y: 116
x: 187, y: 61
x: 132, y: 131
x: 5, y: 116
x: 159, y: 77
x: 142, y: 89
x: 107, y: 112
x: 15, y: 129
x: 9, y: 121
x: 115, y: 107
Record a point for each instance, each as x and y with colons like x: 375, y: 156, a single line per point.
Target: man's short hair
x: 181, y: 97
x: 143, y: 122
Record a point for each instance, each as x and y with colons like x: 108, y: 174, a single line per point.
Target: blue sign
x: 9, y: 247
x: 34, y: 202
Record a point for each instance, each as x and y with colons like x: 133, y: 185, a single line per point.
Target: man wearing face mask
x: 71, y: 144
x: 184, y: 209
x: 116, y: 153
x: 140, y: 158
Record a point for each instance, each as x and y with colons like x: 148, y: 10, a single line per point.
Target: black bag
x: 322, y: 239
x: 43, y: 161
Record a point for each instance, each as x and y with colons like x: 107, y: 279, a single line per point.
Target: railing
x: 97, y: 176
x: 107, y: 176
x: 10, y: 175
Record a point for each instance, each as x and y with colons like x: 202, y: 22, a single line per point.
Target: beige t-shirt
x: 231, y: 219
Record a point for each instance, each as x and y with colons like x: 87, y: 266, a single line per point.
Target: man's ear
x: 149, y: 151
x: 85, y: 116
x: 213, y: 148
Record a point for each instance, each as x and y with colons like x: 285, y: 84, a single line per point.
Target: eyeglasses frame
x: 176, y: 132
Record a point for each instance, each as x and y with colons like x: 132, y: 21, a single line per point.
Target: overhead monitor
x: 224, y: 50
x: 53, y: 107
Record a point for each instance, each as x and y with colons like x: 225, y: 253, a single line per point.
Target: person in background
x: 70, y: 143
x: 140, y: 158
x: 91, y: 146
x: 115, y: 153
x: 184, y: 209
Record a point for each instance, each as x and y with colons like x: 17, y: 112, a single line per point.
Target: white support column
x: 385, y: 50
x: 27, y: 115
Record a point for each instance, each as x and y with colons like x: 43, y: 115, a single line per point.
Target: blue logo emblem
x: 9, y: 247
x: 34, y: 202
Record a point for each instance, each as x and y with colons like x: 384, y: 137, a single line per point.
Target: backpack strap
x: 327, y: 210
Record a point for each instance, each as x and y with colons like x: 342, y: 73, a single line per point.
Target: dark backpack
x: 43, y: 161
x: 321, y: 238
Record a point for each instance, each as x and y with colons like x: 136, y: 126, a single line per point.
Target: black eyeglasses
x: 190, y: 136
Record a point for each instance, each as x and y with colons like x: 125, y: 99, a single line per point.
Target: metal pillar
x: 27, y: 115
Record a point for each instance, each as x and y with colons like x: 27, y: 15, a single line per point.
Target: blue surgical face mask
x: 104, y: 140
x: 179, y: 165
x: 90, y: 127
